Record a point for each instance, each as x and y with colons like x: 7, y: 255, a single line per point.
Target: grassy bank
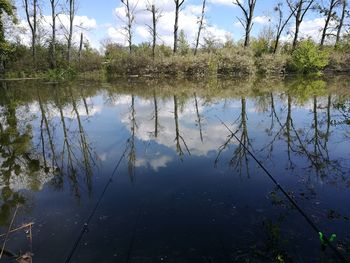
x: 230, y: 60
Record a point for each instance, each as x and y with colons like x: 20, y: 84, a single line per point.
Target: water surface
x: 186, y: 190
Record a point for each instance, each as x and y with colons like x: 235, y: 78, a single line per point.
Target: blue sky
x: 103, y: 20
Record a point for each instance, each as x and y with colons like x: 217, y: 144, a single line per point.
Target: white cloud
x: 223, y: 2
x: 262, y: 20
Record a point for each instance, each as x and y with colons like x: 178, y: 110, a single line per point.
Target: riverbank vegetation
x: 266, y: 53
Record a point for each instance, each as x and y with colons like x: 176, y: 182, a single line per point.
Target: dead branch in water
x: 29, y: 225
x: 8, y: 231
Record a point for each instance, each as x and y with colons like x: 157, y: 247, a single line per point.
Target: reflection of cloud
x: 155, y: 163
x: 103, y: 156
x: 214, y: 134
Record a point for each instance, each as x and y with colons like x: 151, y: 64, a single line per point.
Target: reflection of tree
x: 342, y: 107
x: 156, y: 119
x: 16, y: 158
x: 240, y: 155
x: 131, y: 141
x: 239, y: 159
x: 45, y: 121
x: 71, y: 162
x: 284, y: 130
x: 88, y: 159
x: 313, y: 143
x: 199, y: 117
x: 178, y: 136
x: 318, y: 155
x: 68, y: 155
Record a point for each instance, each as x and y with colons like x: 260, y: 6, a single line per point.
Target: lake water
x: 185, y: 190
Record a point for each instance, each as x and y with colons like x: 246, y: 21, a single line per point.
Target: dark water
x: 185, y: 190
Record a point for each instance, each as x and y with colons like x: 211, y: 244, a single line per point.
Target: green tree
x: 309, y: 58
x: 183, y: 45
x: 7, y: 8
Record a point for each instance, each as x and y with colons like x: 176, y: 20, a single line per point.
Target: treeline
x: 56, y: 57
x: 263, y: 54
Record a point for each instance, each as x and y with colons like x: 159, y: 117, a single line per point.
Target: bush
x: 271, y: 63
x: 236, y: 61
x: 339, y: 61
x: 308, y: 58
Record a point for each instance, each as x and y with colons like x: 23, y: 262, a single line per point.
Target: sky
x: 103, y: 20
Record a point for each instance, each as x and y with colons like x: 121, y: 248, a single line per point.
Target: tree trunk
x: 247, y: 23
x: 176, y: 27
x: 281, y: 26
x: 247, y: 33
x: 299, y: 16
x: 130, y: 19
x: 2, y: 40
x: 70, y: 35
x: 154, y: 31
x: 35, y: 28
x: 32, y: 25
x: 200, y: 27
x: 81, y: 45
x: 178, y: 4
x: 297, y: 23
x: 296, y: 34
x: 53, y: 41
x: 328, y: 19
x: 341, y: 22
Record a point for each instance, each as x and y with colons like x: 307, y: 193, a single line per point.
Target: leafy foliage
x: 309, y: 58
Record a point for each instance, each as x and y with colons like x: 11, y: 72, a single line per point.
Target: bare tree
x: 341, y: 21
x: 178, y: 4
x: 201, y: 25
x: 130, y: 19
x: 178, y: 136
x: 53, y: 37
x: 299, y: 8
x: 156, y: 14
x: 32, y: 20
x: 330, y: 13
x: 71, y: 11
x: 247, y: 21
x: 281, y: 25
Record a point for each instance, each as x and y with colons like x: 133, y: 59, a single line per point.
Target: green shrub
x: 308, y: 58
x: 260, y: 46
x: 60, y: 74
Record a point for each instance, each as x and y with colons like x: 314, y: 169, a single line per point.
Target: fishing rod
x: 323, y: 238
x: 93, y: 211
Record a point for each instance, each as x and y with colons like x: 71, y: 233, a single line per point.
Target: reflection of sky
x: 214, y: 134
x: 108, y: 125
